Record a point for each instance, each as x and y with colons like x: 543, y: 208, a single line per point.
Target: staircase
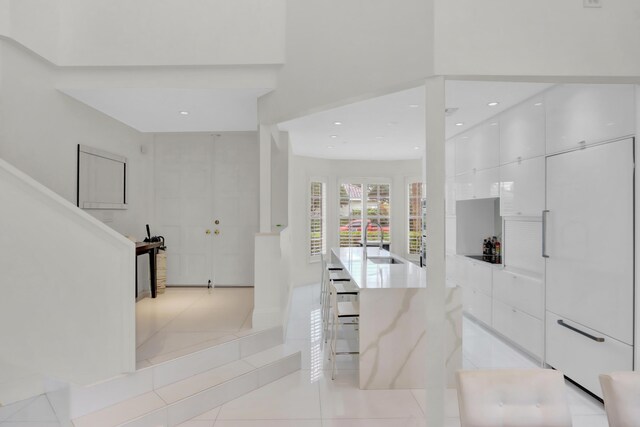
x: 177, y: 390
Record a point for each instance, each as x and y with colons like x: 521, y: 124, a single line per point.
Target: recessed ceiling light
x: 537, y: 104
x: 465, y: 137
x: 416, y: 148
x: 459, y: 124
x: 334, y: 136
x: 493, y: 103
x: 414, y: 105
x: 330, y: 147
x: 494, y: 124
x: 337, y: 123
x: 184, y: 113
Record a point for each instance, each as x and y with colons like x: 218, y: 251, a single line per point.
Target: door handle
x: 544, y: 233
x: 598, y: 339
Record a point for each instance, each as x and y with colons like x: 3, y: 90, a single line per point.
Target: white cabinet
x: 522, y: 188
x: 523, y: 246
x: 479, y: 276
x: 522, y: 131
x: 482, y: 184
x: 589, y: 113
x: 519, y: 291
x: 478, y: 148
x: 521, y: 328
x: 460, y: 270
x: 464, y: 186
x: 580, y: 357
x: 477, y: 304
x: 486, y: 183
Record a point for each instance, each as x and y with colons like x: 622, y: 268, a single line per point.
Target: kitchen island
x: 393, y: 317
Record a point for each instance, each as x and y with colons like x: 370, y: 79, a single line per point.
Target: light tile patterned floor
x: 309, y: 398
x: 184, y: 320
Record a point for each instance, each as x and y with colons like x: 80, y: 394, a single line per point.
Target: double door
x: 206, y: 207
x: 588, y: 245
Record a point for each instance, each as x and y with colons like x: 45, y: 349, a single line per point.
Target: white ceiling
x: 158, y: 109
x: 390, y: 127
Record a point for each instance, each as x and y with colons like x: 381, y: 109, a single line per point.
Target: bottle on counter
x: 498, y: 252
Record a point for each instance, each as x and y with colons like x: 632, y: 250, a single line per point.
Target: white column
x: 435, y: 222
x: 265, y: 179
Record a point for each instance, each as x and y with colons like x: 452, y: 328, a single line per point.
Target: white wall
x: 541, y: 38
x: 149, y: 32
x: 304, y: 168
x: 280, y: 182
x: 67, y: 305
x: 42, y: 128
x: 339, y: 51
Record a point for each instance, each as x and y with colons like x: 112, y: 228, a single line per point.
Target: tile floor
x: 184, y: 320
x: 309, y: 398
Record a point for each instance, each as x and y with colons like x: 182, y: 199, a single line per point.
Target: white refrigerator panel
x: 589, y: 238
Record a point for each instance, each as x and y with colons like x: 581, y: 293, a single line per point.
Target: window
x: 317, y: 219
x: 372, y: 208
x: 414, y: 191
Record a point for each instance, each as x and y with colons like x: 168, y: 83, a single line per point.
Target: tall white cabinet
x: 589, y: 261
x: 568, y: 151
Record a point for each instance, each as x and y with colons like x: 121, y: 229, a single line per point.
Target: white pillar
x: 265, y: 179
x: 436, y: 277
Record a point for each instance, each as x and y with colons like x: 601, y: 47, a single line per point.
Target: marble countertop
x: 369, y: 275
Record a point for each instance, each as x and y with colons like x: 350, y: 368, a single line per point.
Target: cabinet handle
x: 544, y: 234
x: 597, y: 339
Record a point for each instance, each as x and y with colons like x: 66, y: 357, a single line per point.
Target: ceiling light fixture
x: 494, y: 124
x: 537, y: 104
x: 334, y: 136
x: 184, y: 113
x: 414, y: 105
x: 416, y: 148
x: 337, y: 123
x: 330, y: 147
x: 493, y: 103
x: 459, y: 124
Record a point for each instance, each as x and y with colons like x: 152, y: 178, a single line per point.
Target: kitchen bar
x: 393, y: 318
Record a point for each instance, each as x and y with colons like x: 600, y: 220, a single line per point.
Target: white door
x: 236, y: 164
x: 183, y: 175
x: 589, y: 238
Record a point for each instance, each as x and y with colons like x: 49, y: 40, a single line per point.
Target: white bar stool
x: 342, y: 311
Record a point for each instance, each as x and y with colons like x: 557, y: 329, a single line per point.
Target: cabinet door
x: 464, y: 186
x: 479, y: 276
x: 590, y: 264
x: 519, y: 327
x: 463, y: 158
x: 477, y: 304
x: 523, y: 246
x: 581, y: 358
x: 485, y: 145
x: 521, y: 292
x: 589, y: 113
x: 522, y: 131
x: 486, y: 183
x: 522, y: 188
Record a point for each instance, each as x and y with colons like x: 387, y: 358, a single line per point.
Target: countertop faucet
x: 364, y: 245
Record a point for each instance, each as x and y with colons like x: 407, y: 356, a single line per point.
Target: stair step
x: 175, y: 403
x: 86, y: 400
